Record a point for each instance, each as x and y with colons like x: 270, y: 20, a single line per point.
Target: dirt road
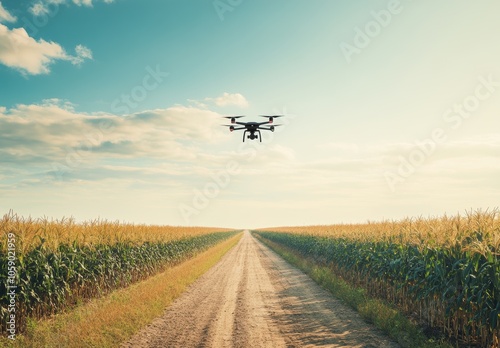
x: 253, y: 298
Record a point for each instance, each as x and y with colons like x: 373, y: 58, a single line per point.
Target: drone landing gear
x: 252, y: 136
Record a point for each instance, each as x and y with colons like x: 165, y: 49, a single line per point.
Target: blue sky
x: 112, y: 109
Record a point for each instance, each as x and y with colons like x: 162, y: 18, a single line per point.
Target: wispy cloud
x: 226, y: 99
x: 82, y: 53
x: 5, y: 16
x: 41, y: 8
x: 34, y: 57
x: 178, y: 149
x: 52, y: 130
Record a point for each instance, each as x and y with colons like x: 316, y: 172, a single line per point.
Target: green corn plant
x: 453, y: 285
x: 54, y: 274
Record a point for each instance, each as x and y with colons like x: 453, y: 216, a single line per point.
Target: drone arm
x: 270, y: 128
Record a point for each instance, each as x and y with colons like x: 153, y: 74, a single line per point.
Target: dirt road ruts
x: 253, y: 298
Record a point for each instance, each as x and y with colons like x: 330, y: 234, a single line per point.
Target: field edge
x: 116, y: 317
x: 377, y: 312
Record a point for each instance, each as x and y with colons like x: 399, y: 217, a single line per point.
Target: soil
x: 253, y: 298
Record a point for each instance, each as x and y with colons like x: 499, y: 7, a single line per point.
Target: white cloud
x: 83, y: 2
x: 38, y: 9
x: 197, y: 103
x: 24, y: 53
x: 53, y: 129
x: 42, y: 7
x: 182, y: 147
x: 359, y: 168
x: 228, y: 99
x: 5, y: 16
x: 82, y: 53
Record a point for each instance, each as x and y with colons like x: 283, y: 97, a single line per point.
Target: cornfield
x: 56, y: 264
x: 443, y: 272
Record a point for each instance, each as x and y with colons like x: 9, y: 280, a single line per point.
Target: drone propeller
x: 233, y: 118
x: 271, y: 117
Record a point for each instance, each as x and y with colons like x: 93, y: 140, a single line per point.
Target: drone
x: 252, y: 127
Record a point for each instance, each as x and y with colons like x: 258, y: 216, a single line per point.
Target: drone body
x: 253, y: 128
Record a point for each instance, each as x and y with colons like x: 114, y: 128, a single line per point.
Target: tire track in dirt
x: 253, y: 298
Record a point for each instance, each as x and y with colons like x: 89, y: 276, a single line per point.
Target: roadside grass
x: 115, y: 318
x: 384, y: 316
